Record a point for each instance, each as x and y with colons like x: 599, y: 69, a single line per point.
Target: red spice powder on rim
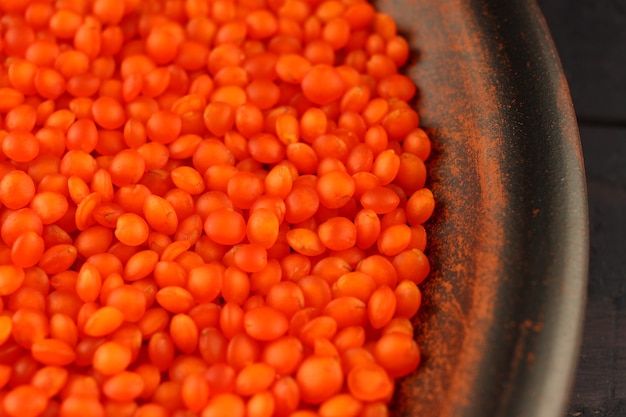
x: 207, y: 208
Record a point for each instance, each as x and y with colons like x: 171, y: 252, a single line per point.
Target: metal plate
x: 501, y: 322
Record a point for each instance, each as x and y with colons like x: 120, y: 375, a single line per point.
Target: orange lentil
x: 21, y: 146
x: 175, y: 299
x: 50, y: 380
x: 265, y: 323
x: 341, y: 405
x: 110, y: 88
x: 185, y: 146
x: 332, y: 154
x: 155, y: 156
x: 161, y: 45
x: 129, y: 300
x: 331, y: 268
x: 88, y: 283
x: 71, y: 63
x: 338, y: 233
x: 124, y: 386
x: 266, y: 148
x: 417, y: 143
x: 301, y: 204
x: 154, y: 320
x: 167, y: 273
x: 284, y: 354
x: 49, y: 83
x: 335, y: 188
x: 131, y: 229
x: 396, y: 217
x: 347, y: 311
x: 108, y: 113
x: 367, y: 228
x: 369, y: 382
x: 261, y: 405
x: 190, y: 229
x: 408, y: 299
x: 295, y: 266
x: 58, y: 258
x: 65, y: 280
x: 25, y: 400
x: 53, y: 352
x: 84, y: 356
x: 319, y: 52
x: 77, y: 188
x: 250, y: 257
x: 254, y: 379
x: 420, y: 207
x: 381, y: 306
x: 161, y: 350
x: 286, y: 396
x: 212, y: 346
x: 348, y: 338
x: 398, y: 353
x: 17, y: 189
x: 216, y: 178
x: 15, y: 223
x: 185, y: 365
x: 126, y: 167
x: 379, y: 268
x: 21, y: 75
x: 22, y: 117
x: 322, y: 327
x: 50, y: 206
x: 326, y: 75
x: 305, y: 242
x: 261, y: 281
x: 225, y: 405
x: 286, y: 297
x: 236, y: 285
x: 315, y: 290
x: 163, y: 126
x: 188, y: 179
x: 26, y: 297
x: 354, y: 284
x: 412, y: 264
x: 292, y: 68
x: 122, y: 409
x: 207, y: 204
x: 63, y: 327
x: 394, y: 239
x: 262, y: 228
x: 111, y: 358
x: 23, y: 370
x: 319, y: 378
x: 128, y: 335
x: 225, y: 226
x: 184, y: 333
x: 381, y: 200
x: 28, y: 326
x: 102, y: 184
x: 75, y: 406
x: 195, y: 391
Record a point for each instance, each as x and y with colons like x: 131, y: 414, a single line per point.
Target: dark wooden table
x: 591, y: 38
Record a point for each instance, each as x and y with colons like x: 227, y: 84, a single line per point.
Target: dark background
x: 590, y: 36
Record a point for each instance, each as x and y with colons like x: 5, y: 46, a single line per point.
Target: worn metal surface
x: 500, y: 327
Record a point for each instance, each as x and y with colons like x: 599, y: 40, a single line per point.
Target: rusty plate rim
x: 501, y: 323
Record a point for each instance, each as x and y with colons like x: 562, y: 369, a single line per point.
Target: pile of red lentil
x: 209, y: 208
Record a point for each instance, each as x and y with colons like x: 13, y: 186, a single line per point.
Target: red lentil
x: 208, y: 209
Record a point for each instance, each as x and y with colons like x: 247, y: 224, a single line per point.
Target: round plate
x: 503, y: 308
